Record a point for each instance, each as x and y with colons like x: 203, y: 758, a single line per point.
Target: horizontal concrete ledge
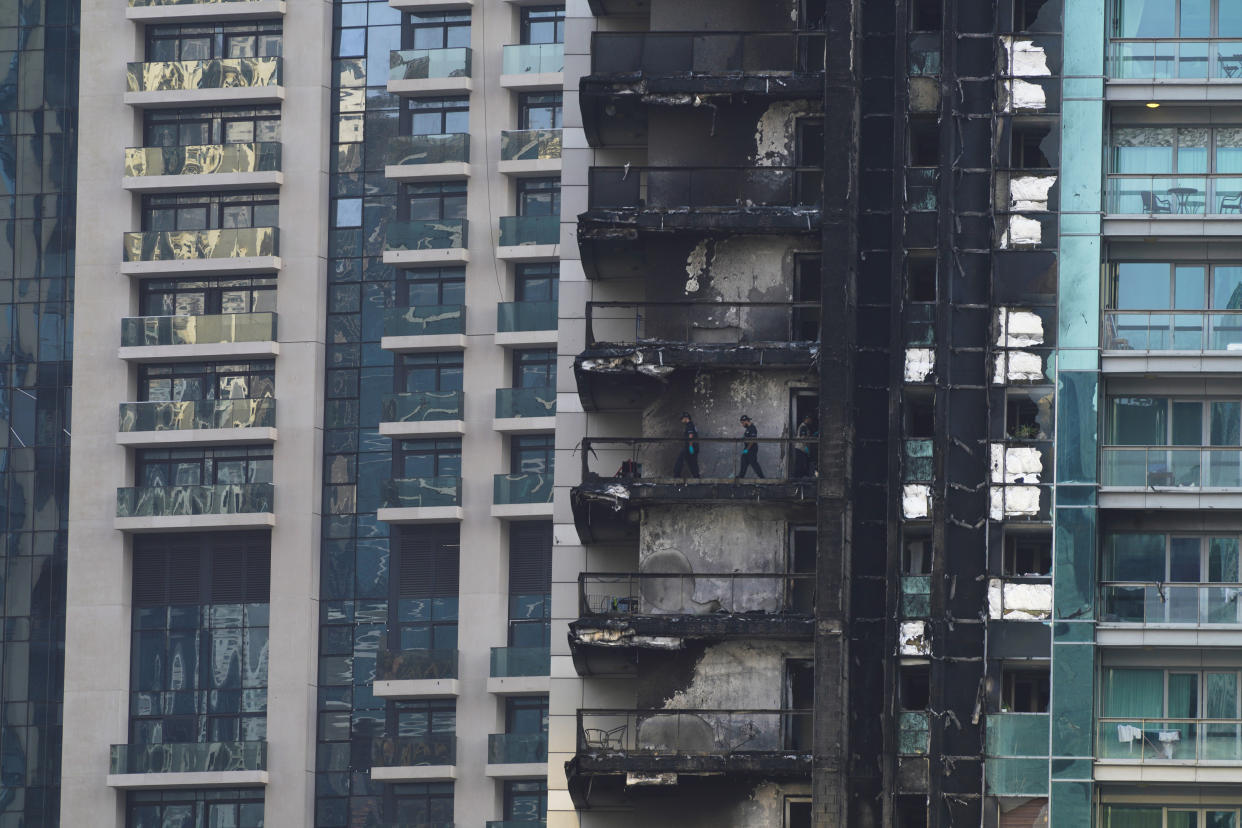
x: 196, y: 523
x: 1171, y: 362
x: 196, y: 436
x: 204, y: 12
x: 423, y: 257
x: 1172, y: 225
x: 415, y: 773
x: 1118, y: 498
x: 421, y: 514
x: 519, y: 339
x: 519, y: 685
x: 227, y: 96
x: 1170, y: 635
x: 423, y: 428
x: 517, y: 770
x: 535, y: 166
x: 433, y: 342
x: 521, y: 511
x: 416, y: 172
x: 213, y: 350
x: 533, y: 80
x: 416, y: 689
x: 508, y: 424
x: 430, y: 86
x: 204, y: 779
x: 202, y: 181
x: 202, y: 267
x: 1115, y: 770
x: 1172, y: 90
x: 430, y: 5
x: 529, y: 252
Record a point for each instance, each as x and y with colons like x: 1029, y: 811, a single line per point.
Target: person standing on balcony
x: 750, y: 451
x: 689, y: 457
x: 803, y: 456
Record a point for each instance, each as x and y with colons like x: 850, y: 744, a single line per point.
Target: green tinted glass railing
x: 508, y: 662
x: 529, y: 487
x: 912, y: 732
x: 1168, y: 330
x: 414, y: 492
x: 218, y: 73
x: 425, y: 320
x: 915, y: 596
x: 918, y: 465
x: 1149, y: 741
x: 1181, y: 59
x: 232, y: 243
x: 202, y: 160
x: 198, y: 330
x: 415, y: 665
x: 189, y: 757
x: 423, y: 64
x: 516, y: 748
x: 165, y: 501
x: 1140, y: 602
x: 1017, y: 734
x: 526, y: 402
x: 420, y: 406
x: 533, y: 58
x: 530, y: 144
x: 1171, y: 467
x: 409, y: 751
x: 519, y: 230
x: 187, y: 415
x: 1174, y: 195
x: 444, y: 234
x: 526, y: 316
x: 427, y: 149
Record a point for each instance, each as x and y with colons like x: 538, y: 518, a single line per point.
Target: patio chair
x: 600, y: 739
x: 1153, y: 203
x: 1231, y: 203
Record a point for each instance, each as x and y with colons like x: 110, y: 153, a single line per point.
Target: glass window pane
x: 1192, y: 150
x: 1145, y: 18
x: 1187, y: 424
x: 1196, y: 18
x: 1226, y: 419
x: 1188, y: 287
x: 1223, y: 561
x: 1138, y: 421
x: 1143, y: 286
x: 1227, y: 288
x: 1135, y: 557
x: 1128, y: 692
x: 1184, y: 560
x: 1143, y: 150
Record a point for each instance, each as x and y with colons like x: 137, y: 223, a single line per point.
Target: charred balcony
x: 625, y: 753
x: 635, y: 349
x: 610, y: 508
x: 631, y: 71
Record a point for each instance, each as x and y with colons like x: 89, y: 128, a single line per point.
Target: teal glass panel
x: 527, y: 487
x: 1070, y: 803
x: 422, y: 64
x: 918, y: 461
x: 1082, y: 175
x: 414, y: 665
x: 520, y: 661
x: 511, y: 748
x: 533, y: 58
x: 1017, y: 734
x: 1073, y: 677
x: 166, y: 501
x: 1072, y: 768
x: 1077, y: 632
x: 525, y: 402
x: 1077, y: 432
x: 425, y: 320
x: 1074, y: 557
x: 189, y: 757
x: 1078, y: 291
x: 412, y: 751
x: 923, y: 54
x: 912, y: 732
x: 526, y: 316
x: 1142, y: 816
x: 523, y: 230
x: 915, y: 596
x: 530, y: 144
x: 415, y: 492
x: 442, y: 234
x: 421, y: 406
x: 1076, y: 496
x: 197, y: 330
x: 428, y: 149
x: 197, y: 414
x: 1016, y: 777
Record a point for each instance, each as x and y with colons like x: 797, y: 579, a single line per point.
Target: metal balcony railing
x: 671, y: 188
x: 1174, y: 195
x: 695, y: 732
x: 622, y: 594
x: 424, y: 64
x: 415, y: 492
x: 701, y: 323
x: 706, y: 53
x: 189, y: 757
x: 1154, y: 741
x: 206, y: 159
x: 230, y: 243
x: 718, y: 457
x: 414, y: 665
x: 421, y: 406
x: 530, y: 144
x: 198, y: 330
x: 216, y: 73
x: 1147, y: 602
x: 168, y: 501
x: 1168, y: 330
x: 188, y: 415
x: 1171, y: 467
x: 1175, y: 59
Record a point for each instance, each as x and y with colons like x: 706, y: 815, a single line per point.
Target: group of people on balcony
x: 803, y: 454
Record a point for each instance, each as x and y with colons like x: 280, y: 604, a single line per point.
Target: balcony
x: 1202, y: 71
x: 727, y: 747
x: 414, y: 157
x: 415, y: 674
x: 1167, y: 750
x: 1167, y: 341
x: 526, y: 495
x: 201, y: 252
x: 1195, y: 477
x: 525, y: 409
x: 167, y: 338
x: 529, y: 238
x: 1016, y: 748
x: 422, y: 414
x: 622, y: 612
x: 1172, y: 205
x: 513, y: 662
x: 429, y: 71
x: 427, y: 758
x: 425, y: 328
x: 242, y: 80
x: 223, y: 506
x: 426, y: 242
x: 215, y: 166
x: 624, y: 339
x: 517, y: 755
x: 530, y: 151
x: 533, y: 66
x: 420, y: 500
x: 1178, y: 614
x: 188, y: 764
x: 199, y: 11
x: 182, y: 422
x: 526, y: 323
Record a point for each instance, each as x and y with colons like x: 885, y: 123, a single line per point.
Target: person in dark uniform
x: 804, y: 452
x: 689, y: 457
x: 750, y: 451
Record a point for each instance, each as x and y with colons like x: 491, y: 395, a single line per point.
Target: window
x: 1022, y: 812
x: 539, y: 110
x: 208, y: 41
x: 161, y: 382
x: 1176, y: 286
x: 1024, y: 689
x: 1177, y: 18
x: 436, y: 201
x: 427, y: 804
x: 910, y: 812
x: 423, y: 591
x: 1028, y: 413
x: 197, y: 127
x: 537, y: 282
x: 924, y: 142
x: 926, y: 16
x: 543, y: 24
x: 441, y: 286
x: 531, y: 454
x: 526, y: 800
x: 428, y: 458
x: 921, y: 276
x: 916, y: 551
x: 446, y: 30
x: 1169, y: 421
x: 1028, y: 554
x: 195, y: 808
x: 1187, y: 150
x: 1033, y: 144
x: 199, y: 297
x: 530, y: 584
x: 920, y: 417
x: 534, y: 368
x: 210, y: 211
x: 526, y: 714
x: 211, y: 466
x: 1124, y: 816
x: 914, y: 687
x: 1170, y: 698
x: 808, y: 275
x: 1162, y: 577
x: 1036, y: 16
x: 798, y: 813
x: 438, y: 116
x: 429, y: 372
x: 539, y: 197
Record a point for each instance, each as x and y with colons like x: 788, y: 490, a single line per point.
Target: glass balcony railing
x: 1174, y: 195
x: 421, y: 406
x: 189, y: 757
x: 1147, y: 741
x: 528, y: 487
x: 425, y: 320
x: 509, y: 662
x: 198, y: 330
x: 526, y: 402
x: 404, y: 150
x: 912, y: 732
x: 231, y: 243
x: 415, y: 665
x: 526, y: 316
x: 516, y: 748
x: 672, y: 732
x: 1171, y: 467
x: 415, y: 492
x: 1175, y: 59
x: 424, y: 64
x: 443, y: 234
x: 627, y: 594
x: 1017, y: 734
x: 217, y: 73
x: 676, y: 188
x: 1138, y: 602
x: 923, y: 54
x: 706, y: 53
x: 144, y: 3
x: 514, y: 823
x: 530, y: 144
x: 1164, y: 330
x: 202, y: 160
x: 187, y: 415
x: 915, y: 596
x: 533, y: 58
x: 181, y: 501
x: 410, y: 751
x: 520, y: 230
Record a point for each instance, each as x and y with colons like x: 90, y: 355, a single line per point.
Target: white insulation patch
x: 1016, y: 465
x: 919, y: 363
x: 1022, y: 232
x: 1030, y: 192
x: 1018, y: 329
x: 1025, y: 58
x: 1013, y: 501
x: 912, y: 638
x: 1019, y: 602
x: 1025, y: 96
x: 1018, y: 366
x: 915, y: 501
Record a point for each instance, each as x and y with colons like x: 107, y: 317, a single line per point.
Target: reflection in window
x: 526, y: 800
x: 436, y: 201
x: 1166, y: 421
x: 429, y: 804
x: 178, y: 381
x: 1177, y: 18
x: 198, y: 127
x: 429, y: 372
x: 1180, y: 150
x: 195, y: 808
x: 436, y: 286
x: 210, y: 211
x: 208, y: 41
x: 536, y: 282
x: 534, y: 368
x: 543, y: 24
x: 199, y: 297
x: 447, y: 30
x: 438, y: 116
x: 423, y: 592
x: 531, y: 454
x: 428, y: 458
x: 1175, y: 286
x: 539, y: 197
x: 212, y: 466
x: 540, y: 110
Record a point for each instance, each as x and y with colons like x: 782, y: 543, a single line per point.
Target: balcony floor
x: 206, y: 779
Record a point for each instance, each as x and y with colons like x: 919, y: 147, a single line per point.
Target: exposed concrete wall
x: 726, y: 133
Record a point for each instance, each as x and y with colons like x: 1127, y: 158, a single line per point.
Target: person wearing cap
x: 750, y: 451
x: 689, y: 457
